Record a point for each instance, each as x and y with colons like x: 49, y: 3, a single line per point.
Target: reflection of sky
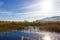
x: 19, y: 10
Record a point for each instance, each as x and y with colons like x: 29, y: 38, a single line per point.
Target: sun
x: 46, y: 5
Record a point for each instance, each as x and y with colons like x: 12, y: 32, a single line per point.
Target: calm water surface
x: 29, y: 34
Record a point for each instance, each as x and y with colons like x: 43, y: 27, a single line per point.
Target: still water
x: 29, y: 33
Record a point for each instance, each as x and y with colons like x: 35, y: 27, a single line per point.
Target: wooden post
x: 22, y: 38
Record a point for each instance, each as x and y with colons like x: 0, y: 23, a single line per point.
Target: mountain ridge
x: 53, y: 18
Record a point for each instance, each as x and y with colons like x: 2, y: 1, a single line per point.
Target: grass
x: 50, y: 26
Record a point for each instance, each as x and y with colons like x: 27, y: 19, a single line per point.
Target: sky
x: 30, y: 10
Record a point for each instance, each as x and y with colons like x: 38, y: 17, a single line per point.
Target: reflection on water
x: 29, y: 33
x: 31, y: 29
x: 50, y: 37
x: 47, y: 37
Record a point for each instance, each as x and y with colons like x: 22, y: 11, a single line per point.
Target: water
x: 29, y: 33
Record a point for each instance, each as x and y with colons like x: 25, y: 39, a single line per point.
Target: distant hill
x: 54, y: 18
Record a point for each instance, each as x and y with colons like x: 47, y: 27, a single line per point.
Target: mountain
x: 54, y: 18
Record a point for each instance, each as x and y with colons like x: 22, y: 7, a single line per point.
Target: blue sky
x: 20, y: 10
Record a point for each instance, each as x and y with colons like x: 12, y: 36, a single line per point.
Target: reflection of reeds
x: 50, y: 26
x: 29, y: 38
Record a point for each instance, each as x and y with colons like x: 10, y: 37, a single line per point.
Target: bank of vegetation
x: 50, y: 26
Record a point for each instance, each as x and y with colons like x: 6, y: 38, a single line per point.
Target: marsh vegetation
x: 49, y: 26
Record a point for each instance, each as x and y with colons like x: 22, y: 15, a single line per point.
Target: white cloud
x: 31, y: 6
x: 41, y: 14
x: 45, y: 8
x: 41, y: 9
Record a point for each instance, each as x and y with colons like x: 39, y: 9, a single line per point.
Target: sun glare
x: 46, y: 5
x: 47, y: 37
